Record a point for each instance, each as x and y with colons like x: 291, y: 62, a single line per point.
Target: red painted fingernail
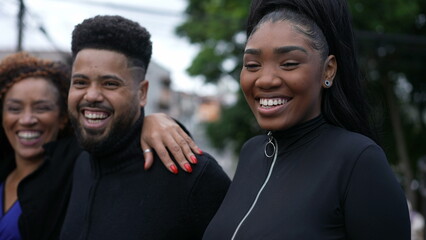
x: 174, y: 169
x: 193, y: 159
x: 188, y: 167
x: 199, y: 151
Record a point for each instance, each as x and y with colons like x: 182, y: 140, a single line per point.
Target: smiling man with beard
x: 112, y: 196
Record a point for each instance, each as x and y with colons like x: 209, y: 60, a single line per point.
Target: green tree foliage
x: 392, y: 47
x: 218, y: 27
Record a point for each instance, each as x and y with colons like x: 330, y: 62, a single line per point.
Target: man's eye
x: 111, y: 84
x: 78, y: 83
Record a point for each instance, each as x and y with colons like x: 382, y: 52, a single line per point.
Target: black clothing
x: 327, y: 183
x: 43, y: 195
x: 113, y: 197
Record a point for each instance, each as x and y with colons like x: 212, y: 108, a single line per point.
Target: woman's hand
x: 164, y: 135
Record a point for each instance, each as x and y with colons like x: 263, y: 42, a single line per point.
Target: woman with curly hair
x: 34, y: 176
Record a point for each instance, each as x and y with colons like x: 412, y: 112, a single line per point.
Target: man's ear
x: 143, y: 92
x: 330, y: 69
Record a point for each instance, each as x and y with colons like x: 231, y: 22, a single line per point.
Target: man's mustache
x: 95, y: 105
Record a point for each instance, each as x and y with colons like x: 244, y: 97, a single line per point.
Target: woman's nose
x: 28, y: 118
x: 269, y: 79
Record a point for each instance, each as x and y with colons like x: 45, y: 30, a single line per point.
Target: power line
x: 130, y: 8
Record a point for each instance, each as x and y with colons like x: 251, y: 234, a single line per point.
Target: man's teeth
x: 264, y: 102
x: 93, y: 116
x: 29, y: 135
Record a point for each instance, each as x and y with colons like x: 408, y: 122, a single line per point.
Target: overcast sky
x: 59, y: 17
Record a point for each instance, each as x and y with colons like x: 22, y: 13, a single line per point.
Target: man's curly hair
x: 114, y: 33
x: 21, y: 65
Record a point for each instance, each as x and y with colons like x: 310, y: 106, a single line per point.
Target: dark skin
x: 164, y: 135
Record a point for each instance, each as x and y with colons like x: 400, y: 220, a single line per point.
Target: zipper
x: 273, y: 143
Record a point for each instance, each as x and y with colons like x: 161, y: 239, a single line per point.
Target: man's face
x: 103, y: 98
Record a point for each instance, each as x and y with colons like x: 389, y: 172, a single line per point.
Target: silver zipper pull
x: 270, y: 143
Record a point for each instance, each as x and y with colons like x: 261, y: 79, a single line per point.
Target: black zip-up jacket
x: 113, y: 197
x: 325, y: 183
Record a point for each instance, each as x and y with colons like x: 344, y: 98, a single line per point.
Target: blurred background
x: 197, y: 58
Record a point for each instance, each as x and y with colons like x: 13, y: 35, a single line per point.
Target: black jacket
x: 326, y: 183
x: 43, y: 195
x: 114, y: 198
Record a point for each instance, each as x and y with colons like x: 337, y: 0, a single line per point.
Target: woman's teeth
x: 29, y: 134
x: 268, y: 102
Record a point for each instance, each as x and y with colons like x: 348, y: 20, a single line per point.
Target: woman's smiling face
x: 283, y: 75
x: 31, y: 116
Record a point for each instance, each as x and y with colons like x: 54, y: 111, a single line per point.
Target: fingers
x: 173, y: 142
x: 188, y: 145
x: 181, y: 151
x: 148, y: 155
x: 168, y: 139
x: 161, y: 151
x: 164, y: 156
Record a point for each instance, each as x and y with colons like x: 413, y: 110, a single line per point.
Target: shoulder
x: 346, y: 136
x: 208, y: 167
x: 344, y: 141
x: 351, y: 150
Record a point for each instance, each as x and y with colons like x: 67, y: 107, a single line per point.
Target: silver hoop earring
x: 327, y: 83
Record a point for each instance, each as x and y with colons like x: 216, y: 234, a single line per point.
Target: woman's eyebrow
x: 286, y: 49
x: 252, y: 51
x: 278, y: 50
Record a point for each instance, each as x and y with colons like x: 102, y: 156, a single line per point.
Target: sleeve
x: 375, y: 206
x: 207, y: 194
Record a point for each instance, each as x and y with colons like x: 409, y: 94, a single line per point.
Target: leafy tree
x: 392, y: 45
x: 218, y: 27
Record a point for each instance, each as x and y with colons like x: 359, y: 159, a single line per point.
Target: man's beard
x: 92, y: 143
